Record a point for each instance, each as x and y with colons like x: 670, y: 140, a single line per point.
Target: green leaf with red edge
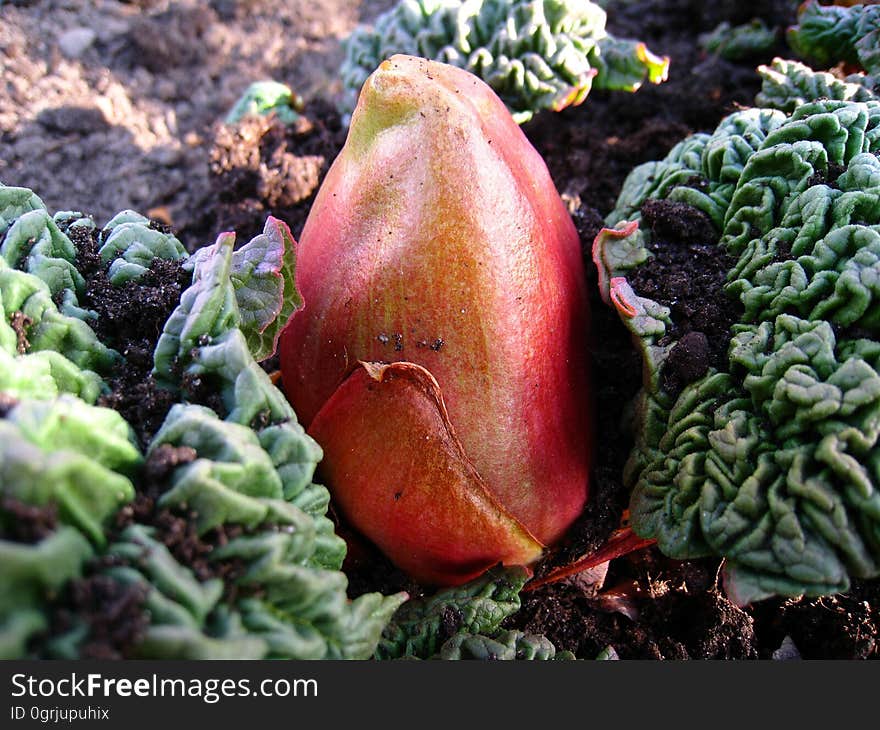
x: 263, y: 275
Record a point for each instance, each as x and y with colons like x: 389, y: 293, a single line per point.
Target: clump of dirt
x: 679, y: 222
x: 113, y: 612
x: 687, y: 274
x: 130, y: 320
x: 20, y: 324
x: 660, y: 609
x: 261, y: 166
x: 843, y: 626
x: 26, y: 523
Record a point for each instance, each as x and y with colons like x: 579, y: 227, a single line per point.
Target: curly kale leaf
x: 33, y: 242
x: 624, y: 65
x: 32, y: 324
x: 788, y: 84
x: 31, y: 575
x: 736, y: 43
x: 235, y: 481
x: 129, y: 245
x: 76, y: 460
x: 265, y: 286
x: 421, y: 627
x: 232, y: 316
x: 72, y: 455
x: 831, y: 241
x: 771, y: 460
x: 15, y: 202
x: 466, y: 623
x: 535, y: 54
x: 828, y: 34
x: 507, y: 645
x: 702, y: 170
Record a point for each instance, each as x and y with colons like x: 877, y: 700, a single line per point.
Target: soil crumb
x: 25, y: 523
x: 687, y: 274
x: 262, y: 167
x: 133, y: 391
x: 114, y: 614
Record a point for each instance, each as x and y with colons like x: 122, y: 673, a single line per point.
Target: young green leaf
x: 263, y: 275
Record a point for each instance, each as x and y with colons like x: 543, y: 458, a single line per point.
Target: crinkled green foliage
x: 129, y: 245
x: 46, y: 374
x: 43, y: 328
x: 32, y: 575
x: 36, y: 244
x: 827, y: 34
x: 702, y: 170
x: 772, y: 461
x: 15, y: 202
x: 202, y: 337
x: 788, y: 84
x: 252, y: 471
x: 33, y: 241
x: 266, y: 97
x: 505, y: 645
x: 262, y: 273
x: 535, y: 54
x: 421, y: 626
x: 465, y: 622
x: 75, y: 457
x: 738, y: 42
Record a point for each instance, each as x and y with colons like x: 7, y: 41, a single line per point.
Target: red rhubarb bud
x: 440, y: 355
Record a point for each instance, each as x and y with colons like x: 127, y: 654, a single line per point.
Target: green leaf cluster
x: 828, y: 34
x: 772, y: 460
x: 247, y: 475
x: 535, y: 54
x: 739, y: 42
x: 788, y: 84
x: 466, y: 622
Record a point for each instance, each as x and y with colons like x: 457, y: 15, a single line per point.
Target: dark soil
x: 153, y: 298
x: 687, y: 274
x: 113, y: 612
x: 655, y: 609
x: 27, y: 523
x: 831, y: 627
